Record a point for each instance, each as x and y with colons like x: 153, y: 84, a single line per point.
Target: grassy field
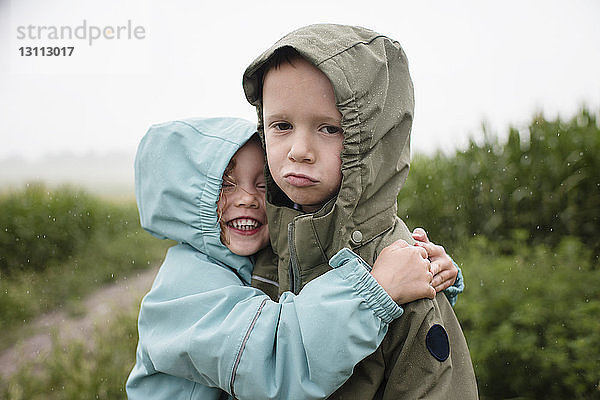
x: 76, y: 370
x: 59, y: 246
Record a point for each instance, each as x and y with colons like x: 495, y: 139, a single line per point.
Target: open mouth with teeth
x: 244, y: 226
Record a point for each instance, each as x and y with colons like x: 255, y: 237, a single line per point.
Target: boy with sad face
x: 335, y: 106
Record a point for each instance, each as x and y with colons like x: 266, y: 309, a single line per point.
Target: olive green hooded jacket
x: 424, y: 354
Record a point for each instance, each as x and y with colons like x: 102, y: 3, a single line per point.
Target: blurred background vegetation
x: 522, y: 218
x: 520, y: 215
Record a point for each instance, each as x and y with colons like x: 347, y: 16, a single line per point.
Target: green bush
x: 531, y: 319
x: 542, y: 182
x: 38, y: 226
x: 112, y: 247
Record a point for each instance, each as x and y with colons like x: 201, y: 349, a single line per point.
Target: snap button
x: 357, y: 236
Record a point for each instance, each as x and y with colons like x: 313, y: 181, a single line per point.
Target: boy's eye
x: 261, y: 187
x: 283, y: 126
x: 331, y: 130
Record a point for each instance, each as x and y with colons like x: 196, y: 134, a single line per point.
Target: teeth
x: 245, y: 224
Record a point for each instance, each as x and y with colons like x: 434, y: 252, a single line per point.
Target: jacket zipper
x: 293, y: 266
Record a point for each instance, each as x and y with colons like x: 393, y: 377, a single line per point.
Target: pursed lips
x: 299, y: 180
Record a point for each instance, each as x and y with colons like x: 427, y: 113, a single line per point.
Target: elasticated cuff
x: 457, y: 288
x: 355, y: 270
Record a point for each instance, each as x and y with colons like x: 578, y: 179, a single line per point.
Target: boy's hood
x: 374, y: 93
x: 178, y: 174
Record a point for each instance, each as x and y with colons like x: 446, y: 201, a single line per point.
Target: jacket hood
x: 374, y: 93
x: 178, y: 175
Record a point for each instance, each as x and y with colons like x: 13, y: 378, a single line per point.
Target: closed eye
x: 228, y: 187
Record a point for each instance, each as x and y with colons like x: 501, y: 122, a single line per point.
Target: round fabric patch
x: 437, y: 342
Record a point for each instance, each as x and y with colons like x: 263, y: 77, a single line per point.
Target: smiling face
x: 303, y: 133
x: 241, y: 206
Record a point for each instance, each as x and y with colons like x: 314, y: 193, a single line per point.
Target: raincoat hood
x: 178, y: 175
x: 374, y: 93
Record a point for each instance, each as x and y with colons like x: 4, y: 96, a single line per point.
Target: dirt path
x: 97, y: 310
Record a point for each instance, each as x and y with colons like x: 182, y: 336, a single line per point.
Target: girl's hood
x: 178, y: 174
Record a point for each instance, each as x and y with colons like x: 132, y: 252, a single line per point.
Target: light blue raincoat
x: 202, y: 328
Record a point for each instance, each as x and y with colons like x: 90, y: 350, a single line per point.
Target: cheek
x: 270, y: 154
x: 335, y: 163
x: 221, y: 205
x: 272, y: 165
x: 262, y: 205
x: 276, y: 151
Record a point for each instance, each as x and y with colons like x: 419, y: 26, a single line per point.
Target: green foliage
x: 542, y: 182
x: 531, y: 319
x: 112, y: 247
x: 38, y: 225
x: 78, y: 370
x: 523, y: 217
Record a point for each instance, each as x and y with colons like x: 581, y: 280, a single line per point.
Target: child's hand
x: 443, y: 270
x: 403, y: 271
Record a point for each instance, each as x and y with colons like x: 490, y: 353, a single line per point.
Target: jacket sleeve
x: 234, y: 337
x: 457, y: 288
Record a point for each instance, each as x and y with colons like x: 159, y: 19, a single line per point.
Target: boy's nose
x: 301, y: 149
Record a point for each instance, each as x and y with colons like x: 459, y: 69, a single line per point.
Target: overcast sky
x: 470, y: 61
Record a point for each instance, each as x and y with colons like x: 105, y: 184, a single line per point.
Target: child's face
x: 303, y: 133
x: 242, y: 203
